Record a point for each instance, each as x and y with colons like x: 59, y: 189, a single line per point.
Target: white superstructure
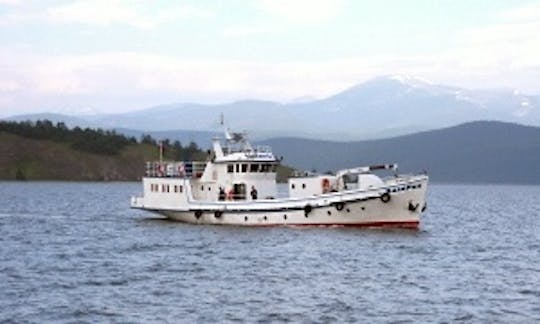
x: 237, y: 186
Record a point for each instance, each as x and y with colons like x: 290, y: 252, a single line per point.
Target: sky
x: 113, y: 56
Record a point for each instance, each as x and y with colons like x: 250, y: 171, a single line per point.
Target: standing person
x: 253, y: 193
x: 221, y: 194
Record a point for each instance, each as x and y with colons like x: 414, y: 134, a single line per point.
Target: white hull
x: 346, y: 208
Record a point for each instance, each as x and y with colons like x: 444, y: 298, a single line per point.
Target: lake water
x: 75, y: 252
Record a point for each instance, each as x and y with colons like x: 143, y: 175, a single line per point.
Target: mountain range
x: 382, y: 107
x: 476, y: 152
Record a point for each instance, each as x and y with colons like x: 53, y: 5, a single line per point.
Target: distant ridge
x: 475, y: 152
x: 382, y: 107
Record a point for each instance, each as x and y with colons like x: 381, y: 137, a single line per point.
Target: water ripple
x: 91, y: 259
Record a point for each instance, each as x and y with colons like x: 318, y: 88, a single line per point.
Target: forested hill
x: 477, y: 152
x: 47, y: 151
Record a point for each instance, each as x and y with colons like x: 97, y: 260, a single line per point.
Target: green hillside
x: 43, y: 151
x: 47, y: 151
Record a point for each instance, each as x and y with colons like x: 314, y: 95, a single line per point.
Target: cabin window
x: 202, y: 188
x: 230, y: 168
x: 237, y: 168
x: 167, y: 188
x: 175, y: 188
x: 254, y: 167
x: 163, y: 188
x: 180, y: 189
x: 244, y: 168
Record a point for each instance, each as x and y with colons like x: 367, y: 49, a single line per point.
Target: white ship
x: 237, y: 186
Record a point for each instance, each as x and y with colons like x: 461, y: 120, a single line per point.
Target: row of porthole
x: 409, y: 187
x: 329, y: 212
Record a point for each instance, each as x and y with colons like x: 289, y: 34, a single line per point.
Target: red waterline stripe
x: 405, y: 224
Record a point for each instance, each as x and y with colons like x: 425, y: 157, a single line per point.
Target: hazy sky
x: 114, y: 56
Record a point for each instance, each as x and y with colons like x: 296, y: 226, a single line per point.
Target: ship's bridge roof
x: 248, y: 156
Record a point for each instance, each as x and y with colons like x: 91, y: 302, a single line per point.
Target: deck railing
x: 183, y: 169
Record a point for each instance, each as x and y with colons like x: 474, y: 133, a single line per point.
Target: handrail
x: 168, y: 169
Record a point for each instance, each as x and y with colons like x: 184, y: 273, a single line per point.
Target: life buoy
x: 325, y: 183
x: 385, y: 197
x: 218, y: 214
x: 307, y: 210
x: 339, y: 205
x: 198, y: 214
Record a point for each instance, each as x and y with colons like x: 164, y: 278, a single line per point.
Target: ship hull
x: 401, y: 207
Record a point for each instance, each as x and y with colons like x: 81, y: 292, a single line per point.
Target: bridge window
x: 237, y: 168
x: 254, y: 167
x: 274, y: 168
x: 244, y: 168
x: 230, y: 168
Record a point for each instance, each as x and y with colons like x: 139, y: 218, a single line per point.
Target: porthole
x: 363, y: 208
x: 329, y: 213
x: 285, y: 216
x: 265, y: 218
x: 245, y: 218
x: 348, y: 210
x: 303, y: 186
x: 293, y: 186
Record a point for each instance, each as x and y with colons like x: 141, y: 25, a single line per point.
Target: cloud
x: 106, y: 13
x: 9, y: 86
x: 303, y: 12
x: 246, y: 31
x: 503, y: 54
x: 10, y: 2
x: 530, y: 11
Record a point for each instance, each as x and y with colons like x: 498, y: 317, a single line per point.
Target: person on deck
x: 222, y: 194
x: 253, y: 193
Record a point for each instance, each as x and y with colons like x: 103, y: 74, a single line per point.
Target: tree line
x: 98, y: 141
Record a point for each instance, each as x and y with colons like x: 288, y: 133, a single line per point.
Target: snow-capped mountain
x: 381, y: 107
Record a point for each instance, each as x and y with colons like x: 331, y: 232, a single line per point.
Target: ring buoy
x: 325, y: 184
x: 218, y: 214
x: 339, y: 205
x: 307, y: 210
x: 198, y: 214
x: 385, y: 197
